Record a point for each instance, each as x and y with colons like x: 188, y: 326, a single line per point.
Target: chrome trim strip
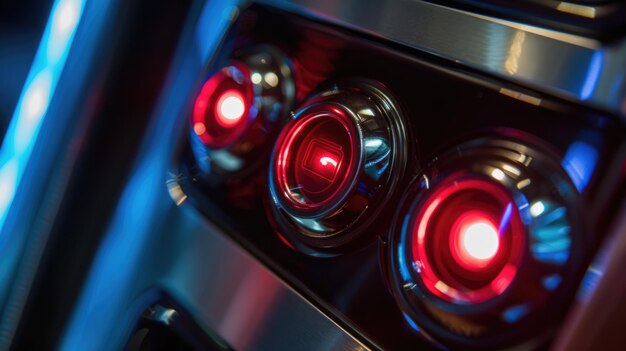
x: 569, y: 66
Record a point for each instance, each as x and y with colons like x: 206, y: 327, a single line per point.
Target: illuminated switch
x: 468, y: 238
x: 235, y: 116
x: 334, y: 167
x: 323, y: 158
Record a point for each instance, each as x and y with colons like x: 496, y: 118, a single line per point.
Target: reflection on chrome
x: 537, y: 208
x: 587, y: 70
x: 511, y: 64
x: 550, y: 232
x: 579, y: 163
x: 175, y: 190
x: 498, y: 174
x: 577, y: 9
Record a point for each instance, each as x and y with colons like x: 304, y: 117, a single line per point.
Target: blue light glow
x: 593, y: 75
x: 579, y: 162
x: 63, y: 23
x: 590, y: 282
x: 34, y: 100
x: 404, y: 269
x: 515, y: 313
x: 506, y: 218
x: 551, y: 234
x: 31, y: 111
x: 552, y: 282
x: 8, y: 177
x: 411, y: 323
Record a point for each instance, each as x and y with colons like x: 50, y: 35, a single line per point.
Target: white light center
x: 537, y: 209
x: 232, y: 108
x: 480, y: 240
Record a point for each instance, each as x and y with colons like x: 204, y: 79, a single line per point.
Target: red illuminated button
x: 221, y: 110
x: 323, y: 159
x: 475, y: 240
x: 230, y: 108
x: 488, y: 245
x: 468, y: 239
x: 335, y: 166
x: 316, y: 160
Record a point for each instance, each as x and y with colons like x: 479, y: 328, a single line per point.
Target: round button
x: 222, y: 109
x: 316, y: 162
x: 468, y: 238
x: 235, y: 118
x: 488, y: 242
x: 335, y: 166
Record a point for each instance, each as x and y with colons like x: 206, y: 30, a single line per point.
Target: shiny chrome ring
x: 358, y: 126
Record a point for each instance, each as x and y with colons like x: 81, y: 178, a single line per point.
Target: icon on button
x: 323, y: 159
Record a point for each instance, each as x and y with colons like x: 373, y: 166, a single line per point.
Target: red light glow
x: 316, y: 156
x: 230, y: 108
x: 474, y: 240
x: 322, y: 159
x: 468, y: 240
x: 221, y: 110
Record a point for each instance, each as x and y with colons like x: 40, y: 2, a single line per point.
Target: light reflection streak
x: 590, y: 282
x: 404, y: 269
x: 506, y: 218
x: 226, y: 160
x: 498, y: 174
x: 411, y: 323
x: 537, y: 209
x: 593, y: 75
x: 579, y: 163
x: 113, y: 280
x: 34, y: 100
x: 577, y: 9
x: 511, y: 64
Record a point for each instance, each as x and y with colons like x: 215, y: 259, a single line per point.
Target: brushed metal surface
x: 227, y: 290
x: 242, y: 301
x: 157, y: 240
x: 569, y: 66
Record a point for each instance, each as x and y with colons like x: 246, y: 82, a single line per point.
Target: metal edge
x: 234, y: 251
x: 569, y: 66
